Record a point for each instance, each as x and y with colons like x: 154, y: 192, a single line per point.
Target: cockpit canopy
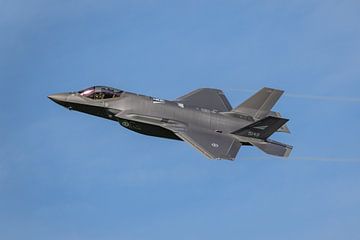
x: 100, y: 92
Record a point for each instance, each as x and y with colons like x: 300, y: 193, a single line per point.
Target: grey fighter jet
x: 203, y: 118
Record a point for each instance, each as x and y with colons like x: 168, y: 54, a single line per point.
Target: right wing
x: 211, y: 144
x: 209, y: 98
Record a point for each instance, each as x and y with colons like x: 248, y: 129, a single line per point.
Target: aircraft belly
x: 148, y: 129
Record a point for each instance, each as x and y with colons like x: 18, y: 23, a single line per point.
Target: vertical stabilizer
x: 260, y: 104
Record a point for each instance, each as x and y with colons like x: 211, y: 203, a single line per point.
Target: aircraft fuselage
x: 204, y: 118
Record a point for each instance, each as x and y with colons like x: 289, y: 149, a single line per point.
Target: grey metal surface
x: 260, y: 104
x: 212, y: 99
x: 204, y: 118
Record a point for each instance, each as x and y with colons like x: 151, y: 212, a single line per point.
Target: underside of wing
x: 213, y: 145
x: 209, y: 98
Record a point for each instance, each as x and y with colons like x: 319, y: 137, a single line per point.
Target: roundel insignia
x: 215, y: 145
x: 125, y: 124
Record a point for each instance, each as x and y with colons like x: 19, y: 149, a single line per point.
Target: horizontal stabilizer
x: 262, y: 129
x: 273, y: 148
x: 260, y: 104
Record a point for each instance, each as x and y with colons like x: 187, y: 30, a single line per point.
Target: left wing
x: 209, y: 98
x: 213, y: 145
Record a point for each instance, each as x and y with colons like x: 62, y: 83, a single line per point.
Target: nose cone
x: 60, y: 98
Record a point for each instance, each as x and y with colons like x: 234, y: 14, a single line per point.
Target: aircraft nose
x: 58, y: 97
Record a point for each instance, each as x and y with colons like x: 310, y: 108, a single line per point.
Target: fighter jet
x: 203, y: 118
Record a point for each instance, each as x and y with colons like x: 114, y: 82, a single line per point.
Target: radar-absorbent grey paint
x: 203, y: 118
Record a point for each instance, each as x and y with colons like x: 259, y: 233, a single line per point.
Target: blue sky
x: 66, y: 175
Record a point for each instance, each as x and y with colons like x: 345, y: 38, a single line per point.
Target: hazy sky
x: 67, y: 175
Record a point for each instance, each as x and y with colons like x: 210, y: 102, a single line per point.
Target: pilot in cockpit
x: 100, y: 92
